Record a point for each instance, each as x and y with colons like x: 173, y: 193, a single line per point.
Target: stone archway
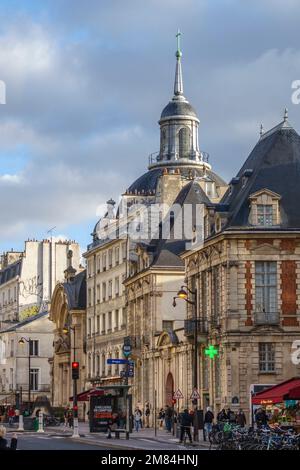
x: 169, y: 391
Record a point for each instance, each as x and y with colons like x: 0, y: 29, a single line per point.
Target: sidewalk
x: 144, y: 439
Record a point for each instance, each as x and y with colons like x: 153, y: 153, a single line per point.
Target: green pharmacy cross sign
x: 211, y: 351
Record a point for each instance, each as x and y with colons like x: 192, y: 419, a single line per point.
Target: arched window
x: 184, y: 142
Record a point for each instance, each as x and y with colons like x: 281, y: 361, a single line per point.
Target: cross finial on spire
x: 178, y: 85
x: 261, y: 131
x: 178, y: 52
x: 285, y: 117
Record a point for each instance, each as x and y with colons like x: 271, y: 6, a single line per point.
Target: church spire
x: 178, y: 84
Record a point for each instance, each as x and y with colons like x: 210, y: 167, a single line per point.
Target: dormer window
x: 264, y: 214
x: 210, y: 189
x: 264, y: 208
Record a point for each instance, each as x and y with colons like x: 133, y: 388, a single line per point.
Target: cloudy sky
x: 86, y: 82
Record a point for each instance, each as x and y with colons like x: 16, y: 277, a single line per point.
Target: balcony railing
x: 266, y: 318
x: 40, y: 388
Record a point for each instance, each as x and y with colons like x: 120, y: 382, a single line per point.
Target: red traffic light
x: 75, y: 408
x: 75, y: 365
x: 173, y: 401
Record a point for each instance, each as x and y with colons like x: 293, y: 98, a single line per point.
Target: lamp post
x: 75, y: 376
x: 183, y: 295
x: 22, y: 342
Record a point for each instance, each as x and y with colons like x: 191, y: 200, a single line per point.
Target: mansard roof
x: 274, y: 165
x: 11, y: 271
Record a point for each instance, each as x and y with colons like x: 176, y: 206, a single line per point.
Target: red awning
x: 85, y: 396
x: 294, y: 393
x: 278, y: 393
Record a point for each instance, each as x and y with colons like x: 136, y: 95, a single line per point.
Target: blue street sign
x: 117, y: 361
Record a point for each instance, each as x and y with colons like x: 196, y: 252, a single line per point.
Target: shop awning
x: 85, y: 396
x: 294, y: 393
x: 278, y: 393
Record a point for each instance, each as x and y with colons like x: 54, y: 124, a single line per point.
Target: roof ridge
x: 282, y: 125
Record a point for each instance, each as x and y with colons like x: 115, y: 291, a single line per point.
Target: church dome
x: 178, y: 108
x: 147, y: 183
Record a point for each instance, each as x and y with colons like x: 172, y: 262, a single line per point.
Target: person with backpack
x: 208, y: 422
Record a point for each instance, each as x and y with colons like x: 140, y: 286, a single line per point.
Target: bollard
x: 41, y: 427
x: 75, y: 428
x: 21, y: 423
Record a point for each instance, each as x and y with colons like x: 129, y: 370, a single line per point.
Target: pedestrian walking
x: 3, y: 441
x: 241, y: 418
x: 161, y: 417
x: 222, y: 416
x: 137, y: 419
x: 185, y: 420
x: 11, y: 416
x: 168, y: 418
x: 70, y: 419
x: 147, y: 415
x: 66, y: 413
x: 231, y: 416
x: 208, y: 422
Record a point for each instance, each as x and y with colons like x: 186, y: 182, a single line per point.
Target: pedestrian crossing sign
x: 178, y: 394
x: 195, y: 395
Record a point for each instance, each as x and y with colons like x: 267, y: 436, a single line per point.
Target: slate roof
x: 10, y: 272
x: 167, y: 251
x: 275, y: 165
x: 25, y: 322
x: 76, y: 291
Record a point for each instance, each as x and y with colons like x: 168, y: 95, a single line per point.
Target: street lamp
x: 75, y: 376
x: 22, y: 342
x: 183, y: 295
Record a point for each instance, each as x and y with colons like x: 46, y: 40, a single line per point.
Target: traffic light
x: 173, y: 401
x: 75, y: 370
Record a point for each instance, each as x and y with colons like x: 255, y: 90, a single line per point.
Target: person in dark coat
x: 241, y: 418
x: 231, y: 416
x: 261, y: 418
x: 222, y: 415
x: 168, y: 418
x: 185, y: 420
x: 3, y: 441
x: 208, y: 422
